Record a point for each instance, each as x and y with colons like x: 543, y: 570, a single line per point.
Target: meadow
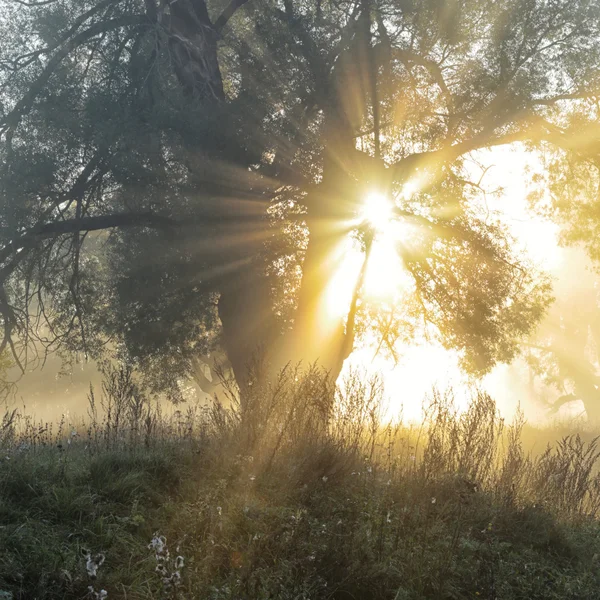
x: 284, y: 496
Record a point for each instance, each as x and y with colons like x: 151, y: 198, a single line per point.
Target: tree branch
x: 228, y: 13
x: 407, y: 57
x: 34, y: 4
x: 71, y: 226
x: 12, y: 119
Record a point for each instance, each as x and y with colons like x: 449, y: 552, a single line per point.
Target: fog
x: 530, y: 383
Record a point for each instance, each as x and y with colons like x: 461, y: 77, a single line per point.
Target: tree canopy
x: 180, y: 176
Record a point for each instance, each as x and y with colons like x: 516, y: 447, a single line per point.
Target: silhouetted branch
x: 228, y: 13
x: 23, y: 106
x: 71, y: 226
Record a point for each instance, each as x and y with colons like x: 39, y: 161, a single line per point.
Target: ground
x: 211, y: 503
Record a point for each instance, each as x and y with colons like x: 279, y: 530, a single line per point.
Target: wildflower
x: 252, y: 477
x: 167, y: 568
x: 173, y: 580
x: 369, y: 469
x: 101, y: 595
x: 433, y: 501
x: 219, y: 510
x: 176, y: 578
x: 158, y: 543
x: 325, y: 478
x: 93, y: 563
x: 389, y: 517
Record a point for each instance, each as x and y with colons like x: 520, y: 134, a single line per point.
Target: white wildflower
x: 158, y: 543
x: 179, y: 562
x: 433, y: 501
x: 219, y: 510
x: 325, y: 478
x: 93, y: 563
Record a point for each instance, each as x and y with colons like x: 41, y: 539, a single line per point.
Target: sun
x: 386, y: 275
x: 378, y: 211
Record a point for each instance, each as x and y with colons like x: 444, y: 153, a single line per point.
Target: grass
x: 283, y: 496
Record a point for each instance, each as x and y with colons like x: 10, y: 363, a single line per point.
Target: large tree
x: 180, y: 175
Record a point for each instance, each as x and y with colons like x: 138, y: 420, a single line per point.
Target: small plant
x: 94, y: 595
x: 169, y: 569
x: 92, y: 563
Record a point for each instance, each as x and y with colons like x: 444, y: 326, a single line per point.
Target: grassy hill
x: 271, y: 499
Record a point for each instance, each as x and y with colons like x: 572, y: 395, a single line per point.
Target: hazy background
x: 56, y: 388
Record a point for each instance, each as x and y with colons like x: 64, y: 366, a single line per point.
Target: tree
x: 226, y: 152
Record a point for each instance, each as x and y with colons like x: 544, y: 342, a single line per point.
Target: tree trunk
x: 589, y: 394
x: 247, y: 322
x: 193, y: 46
x: 317, y: 336
x: 332, y: 214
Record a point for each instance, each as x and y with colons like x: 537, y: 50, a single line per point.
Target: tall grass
x: 293, y: 489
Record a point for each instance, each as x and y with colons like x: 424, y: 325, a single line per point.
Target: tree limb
x: 34, y: 4
x: 12, y: 119
x: 71, y: 226
x: 228, y: 13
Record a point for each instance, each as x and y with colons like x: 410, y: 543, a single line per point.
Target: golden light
x: 378, y: 210
x: 424, y: 363
x: 339, y: 290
